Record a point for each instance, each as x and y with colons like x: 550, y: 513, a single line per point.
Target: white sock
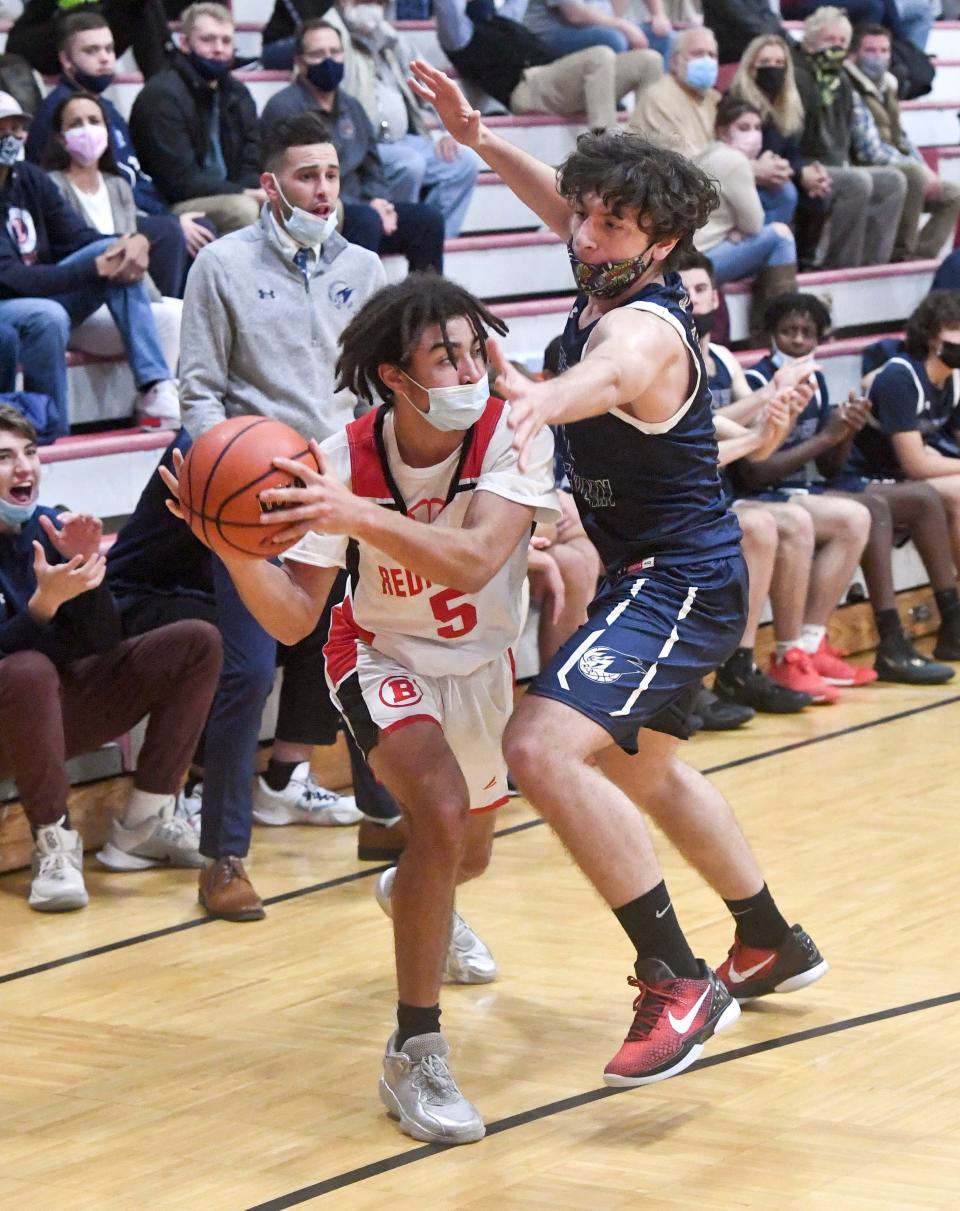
x: 812, y: 637
x: 781, y: 649
x: 143, y: 806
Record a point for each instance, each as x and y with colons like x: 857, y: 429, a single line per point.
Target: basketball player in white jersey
x: 423, y: 503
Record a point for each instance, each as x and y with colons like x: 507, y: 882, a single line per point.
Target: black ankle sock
x: 889, y: 625
x: 651, y: 925
x: 758, y: 919
x: 948, y: 603
x: 63, y: 821
x: 416, y: 1019
x: 741, y: 662
x: 278, y: 773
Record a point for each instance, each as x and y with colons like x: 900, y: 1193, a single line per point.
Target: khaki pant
x: 591, y: 81
x: 864, y: 216
x: 226, y: 211
x: 926, y: 244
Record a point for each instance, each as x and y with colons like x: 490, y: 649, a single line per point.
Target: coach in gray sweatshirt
x: 264, y: 307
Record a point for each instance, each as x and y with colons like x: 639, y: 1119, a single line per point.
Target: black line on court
x: 353, y: 1177
x: 326, y: 885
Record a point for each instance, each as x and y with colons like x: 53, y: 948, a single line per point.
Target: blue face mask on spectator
x: 325, y: 75
x: 93, y: 84
x: 210, y: 69
x: 874, y: 66
x: 16, y: 515
x: 702, y: 72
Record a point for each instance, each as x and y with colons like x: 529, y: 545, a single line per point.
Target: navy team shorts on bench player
x: 647, y: 644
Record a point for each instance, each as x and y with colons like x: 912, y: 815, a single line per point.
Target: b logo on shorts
x: 399, y: 691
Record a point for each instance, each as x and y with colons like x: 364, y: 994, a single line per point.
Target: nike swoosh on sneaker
x: 682, y: 1025
x: 738, y: 977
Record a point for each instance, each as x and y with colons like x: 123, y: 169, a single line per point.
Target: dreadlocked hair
x: 669, y: 195
x: 388, y: 328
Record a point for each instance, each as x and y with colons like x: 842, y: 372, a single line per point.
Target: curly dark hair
x: 55, y: 155
x: 939, y: 310
x: 669, y: 195
x: 389, y: 325
x: 797, y: 303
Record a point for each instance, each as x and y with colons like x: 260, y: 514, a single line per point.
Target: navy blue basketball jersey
x: 720, y: 380
x: 905, y: 401
x: 648, y: 489
x: 810, y: 421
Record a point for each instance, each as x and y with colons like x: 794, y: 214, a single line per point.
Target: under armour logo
x: 266, y: 294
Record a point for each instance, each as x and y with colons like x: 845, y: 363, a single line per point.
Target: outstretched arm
x: 534, y: 182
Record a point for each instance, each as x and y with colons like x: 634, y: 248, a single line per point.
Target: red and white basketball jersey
x: 430, y: 628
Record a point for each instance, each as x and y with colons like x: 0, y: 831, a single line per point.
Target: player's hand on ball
x: 323, y: 503
x: 172, y: 480
x: 79, y: 534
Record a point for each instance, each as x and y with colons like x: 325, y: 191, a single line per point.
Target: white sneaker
x: 468, y: 959
x: 188, y: 807
x: 302, y: 801
x: 162, y: 840
x: 57, y: 883
x: 417, y: 1087
x: 159, y: 407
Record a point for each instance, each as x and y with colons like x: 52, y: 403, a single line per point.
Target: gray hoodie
x: 256, y: 340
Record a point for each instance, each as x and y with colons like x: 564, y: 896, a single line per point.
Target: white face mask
x: 364, y: 18
x: 454, y: 409
x: 779, y: 358
x: 306, y: 228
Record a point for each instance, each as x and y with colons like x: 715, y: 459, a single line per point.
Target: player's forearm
x: 732, y: 448
x: 762, y: 473
x: 745, y: 410
x: 534, y: 182
x: 455, y: 558
x: 590, y: 388
x: 930, y: 464
x: 273, y: 597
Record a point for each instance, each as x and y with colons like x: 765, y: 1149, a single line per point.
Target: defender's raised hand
x: 454, y: 110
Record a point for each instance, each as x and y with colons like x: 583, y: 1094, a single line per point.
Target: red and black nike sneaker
x: 750, y: 971
x: 674, y: 1017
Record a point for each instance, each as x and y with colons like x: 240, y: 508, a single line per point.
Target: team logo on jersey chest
x: 606, y: 665
x: 400, y: 691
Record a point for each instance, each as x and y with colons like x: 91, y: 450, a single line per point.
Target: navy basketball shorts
x: 647, y: 644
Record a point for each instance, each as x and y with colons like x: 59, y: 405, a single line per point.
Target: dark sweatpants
x: 48, y: 715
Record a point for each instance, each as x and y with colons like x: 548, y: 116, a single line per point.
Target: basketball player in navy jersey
x: 597, y: 734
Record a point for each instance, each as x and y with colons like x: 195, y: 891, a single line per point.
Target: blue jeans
x: 411, y: 166
x: 732, y: 261
x: 916, y: 17
x: 579, y: 37
x: 44, y: 324
x: 9, y: 357
x: 780, y: 204
x: 278, y: 56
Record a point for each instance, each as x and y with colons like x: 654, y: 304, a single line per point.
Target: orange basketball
x: 222, y: 477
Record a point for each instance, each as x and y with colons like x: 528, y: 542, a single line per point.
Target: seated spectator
x: 372, y: 216
x: 737, y: 22
x: 62, y: 653
x: 140, y: 24
x: 947, y: 276
x: 567, y: 26
x: 914, y: 430
x: 874, y: 12
x: 9, y: 357
x: 791, y: 189
x: 376, y: 66
x: 88, y: 63
x: 56, y: 270
x: 160, y: 573
x: 867, y: 202
x: 916, y: 20
x: 911, y: 511
x: 777, y: 536
x: 492, y: 50
x: 680, y: 110
x: 841, y: 526
x: 735, y: 237
x: 280, y: 32
x: 195, y: 127
x: 80, y: 162
x: 879, y: 139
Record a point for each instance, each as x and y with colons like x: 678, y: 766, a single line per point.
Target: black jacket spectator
x: 498, y: 54
x: 170, y: 125
x: 140, y: 24
x: 826, y: 130
x: 736, y: 23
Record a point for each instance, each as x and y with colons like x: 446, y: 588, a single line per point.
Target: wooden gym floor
x: 154, y: 1061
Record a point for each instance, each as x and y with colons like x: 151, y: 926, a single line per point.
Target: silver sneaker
x: 468, y: 959
x: 57, y: 869
x: 188, y: 807
x: 163, y: 840
x: 417, y: 1087
x: 302, y: 801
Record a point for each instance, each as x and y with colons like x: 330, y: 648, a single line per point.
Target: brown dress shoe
x: 226, y: 892
x: 379, y: 842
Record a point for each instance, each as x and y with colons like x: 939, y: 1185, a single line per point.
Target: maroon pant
x: 48, y: 715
